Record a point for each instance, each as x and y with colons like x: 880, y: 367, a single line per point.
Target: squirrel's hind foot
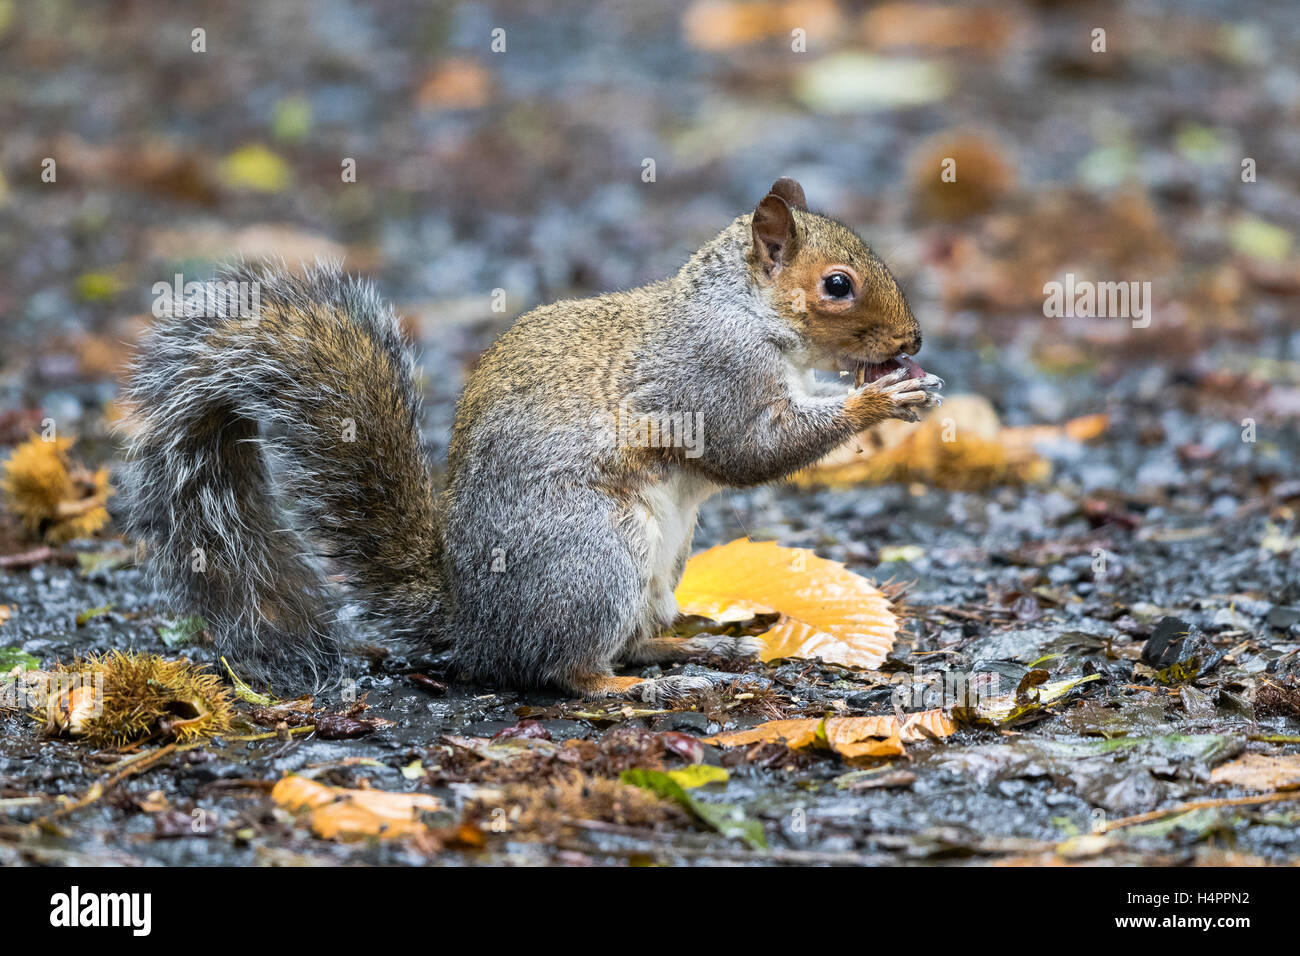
x: 656, y: 691
x: 676, y: 688
x: 670, y: 649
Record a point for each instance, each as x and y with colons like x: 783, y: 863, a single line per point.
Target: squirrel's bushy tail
x: 273, y: 445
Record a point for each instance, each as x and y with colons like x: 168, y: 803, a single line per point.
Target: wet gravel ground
x: 535, y: 187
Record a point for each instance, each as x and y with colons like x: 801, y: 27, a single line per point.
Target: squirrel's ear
x: 791, y: 192
x: 774, y: 233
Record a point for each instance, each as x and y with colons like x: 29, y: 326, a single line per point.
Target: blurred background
x: 1112, y: 484
x: 560, y: 148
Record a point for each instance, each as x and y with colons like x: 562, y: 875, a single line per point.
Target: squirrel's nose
x: 915, y: 345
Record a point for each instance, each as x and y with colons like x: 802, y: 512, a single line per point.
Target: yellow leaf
x: 891, y: 746
x: 879, y: 736
x: 827, y: 612
x: 255, y: 167
x: 902, y: 552
x: 92, y: 612
x: 1258, y: 239
x: 1261, y: 772
x: 337, y: 813
x: 796, y: 733
x: 699, y: 775
x: 927, y: 723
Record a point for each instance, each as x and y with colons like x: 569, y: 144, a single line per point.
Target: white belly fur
x: 670, y: 512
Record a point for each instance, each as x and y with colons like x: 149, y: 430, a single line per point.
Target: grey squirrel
x: 270, y: 453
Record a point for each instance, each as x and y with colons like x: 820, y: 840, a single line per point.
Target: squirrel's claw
x: 892, y: 378
x: 909, y: 395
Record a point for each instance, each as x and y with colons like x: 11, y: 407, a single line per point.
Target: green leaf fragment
x: 244, y: 692
x: 724, y: 818
x: 182, y: 632
x: 1258, y: 239
x: 98, y: 286
x: 11, y: 657
x: 93, y: 612
x: 1197, y: 823
x: 293, y: 119
x: 92, y: 561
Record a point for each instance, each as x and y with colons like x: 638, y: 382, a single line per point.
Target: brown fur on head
x: 828, y: 282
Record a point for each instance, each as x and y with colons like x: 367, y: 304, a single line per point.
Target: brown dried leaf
x: 931, y: 26
x: 961, y: 446
x: 876, y: 736
x: 337, y: 813
x: 981, y: 175
x: 1261, y: 772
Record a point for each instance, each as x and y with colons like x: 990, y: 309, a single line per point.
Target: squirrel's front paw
x: 907, y: 396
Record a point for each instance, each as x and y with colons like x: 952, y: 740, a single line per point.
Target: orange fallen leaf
x: 881, y: 747
x: 337, y: 813
x: 827, y: 612
x: 726, y: 24
x: 931, y: 26
x: 1261, y: 772
x: 796, y: 733
x: 961, y: 445
x: 1081, y: 429
x: 878, y: 736
x: 457, y: 84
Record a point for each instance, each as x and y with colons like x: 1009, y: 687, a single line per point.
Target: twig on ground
x: 1274, y: 797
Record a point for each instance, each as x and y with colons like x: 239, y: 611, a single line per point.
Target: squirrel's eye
x: 837, y: 285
